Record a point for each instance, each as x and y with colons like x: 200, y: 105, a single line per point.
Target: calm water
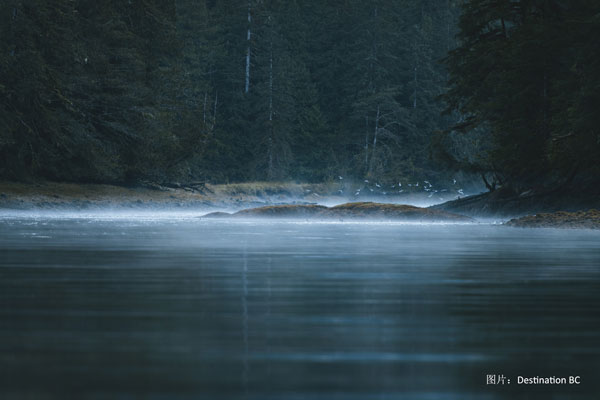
x: 181, y: 308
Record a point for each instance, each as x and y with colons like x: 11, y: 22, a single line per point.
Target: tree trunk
x: 204, y: 109
x: 248, y: 36
x: 491, y: 187
x: 415, y: 93
x: 448, y: 18
x: 271, y: 174
x: 374, y: 147
x: 215, y: 112
x: 366, y: 143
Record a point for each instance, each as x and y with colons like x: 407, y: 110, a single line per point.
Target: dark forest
x: 232, y: 91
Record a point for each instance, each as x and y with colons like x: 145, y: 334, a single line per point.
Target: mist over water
x: 181, y: 211
x: 178, y: 307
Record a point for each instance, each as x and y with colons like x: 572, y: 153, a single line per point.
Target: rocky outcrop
x: 348, y: 211
x: 562, y: 219
x: 283, y: 211
x: 506, y: 202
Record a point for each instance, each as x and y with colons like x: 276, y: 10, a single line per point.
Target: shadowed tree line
x: 118, y: 91
x: 529, y: 72
x: 238, y: 90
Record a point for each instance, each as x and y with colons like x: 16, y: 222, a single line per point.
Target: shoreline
x: 237, y: 196
x: 517, y: 211
x: 75, y: 196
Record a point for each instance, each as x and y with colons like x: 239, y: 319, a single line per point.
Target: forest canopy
x: 529, y: 71
x: 241, y: 90
x: 235, y: 90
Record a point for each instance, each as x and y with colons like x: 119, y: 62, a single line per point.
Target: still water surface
x: 184, y: 308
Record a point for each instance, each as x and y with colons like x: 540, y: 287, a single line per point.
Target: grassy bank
x: 50, y: 195
x: 14, y: 195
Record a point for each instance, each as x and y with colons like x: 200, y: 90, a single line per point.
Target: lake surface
x: 182, y: 308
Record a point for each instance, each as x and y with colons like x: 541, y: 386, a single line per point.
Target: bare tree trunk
x: 376, y: 129
x: 374, y: 147
x: 248, y: 36
x: 366, y: 143
x: 215, y: 111
x: 545, y: 103
x: 373, y: 58
x: 204, y: 109
x: 490, y: 186
x: 271, y: 111
x: 415, y: 93
x: 271, y: 84
x: 416, y: 60
x: 448, y: 17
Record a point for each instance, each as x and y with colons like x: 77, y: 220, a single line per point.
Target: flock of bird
x: 425, y: 186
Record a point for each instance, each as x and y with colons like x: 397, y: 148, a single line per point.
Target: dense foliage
x: 86, y: 89
x: 221, y: 90
x: 236, y: 90
x: 529, y: 71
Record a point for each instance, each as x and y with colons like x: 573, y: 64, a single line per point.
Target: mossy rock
x: 561, y: 219
x: 277, y: 211
x: 363, y: 210
x: 393, y: 211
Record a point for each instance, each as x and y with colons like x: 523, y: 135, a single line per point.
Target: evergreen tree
x: 87, y: 89
x: 519, y: 70
x: 222, y: 90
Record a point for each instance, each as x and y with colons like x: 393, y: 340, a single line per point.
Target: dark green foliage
x: 118, y: 91
x: 88, y: 89
x: 530, y: 71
